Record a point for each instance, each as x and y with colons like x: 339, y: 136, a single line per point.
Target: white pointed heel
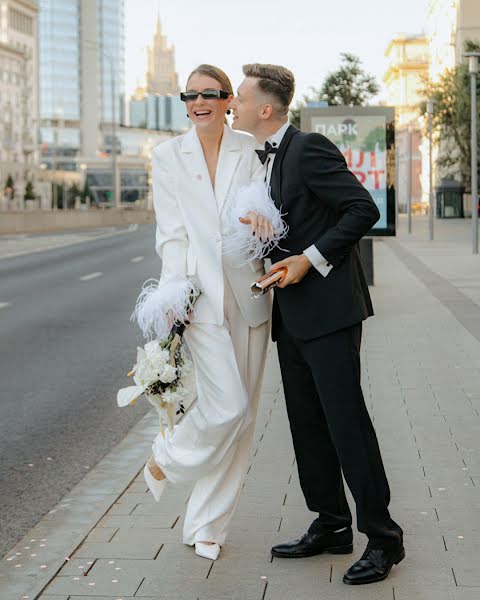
x: 156, y: 486
x: 210, y: 551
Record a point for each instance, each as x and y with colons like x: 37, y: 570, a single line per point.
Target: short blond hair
x: 274, y: 80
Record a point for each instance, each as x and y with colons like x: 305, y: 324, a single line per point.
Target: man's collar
x: 276, y: 139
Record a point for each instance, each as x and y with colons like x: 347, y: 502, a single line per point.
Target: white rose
x: 169, y: 374
x: 145, y: 373
x: 155, y: 353
x: 169, y: 397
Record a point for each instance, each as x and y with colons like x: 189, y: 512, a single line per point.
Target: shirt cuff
x: 318, y: 260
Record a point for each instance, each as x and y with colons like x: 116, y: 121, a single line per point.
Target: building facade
x: 81, y: 74
x: 450, y: 23
x: 405, y: 78
x: 160, y: 113
x: 18, y: 93
x: 161, y: 78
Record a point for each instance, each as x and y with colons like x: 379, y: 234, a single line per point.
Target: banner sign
x: 365, y: 136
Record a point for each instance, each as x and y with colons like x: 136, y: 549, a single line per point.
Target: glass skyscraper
x: 81, y: 43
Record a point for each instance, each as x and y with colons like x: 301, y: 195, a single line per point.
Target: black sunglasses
x: 206, y: 95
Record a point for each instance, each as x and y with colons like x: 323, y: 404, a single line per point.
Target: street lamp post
x: 473, y: 68
x: 431, y: 199
x: 409, y: 179
x: 117, y: 200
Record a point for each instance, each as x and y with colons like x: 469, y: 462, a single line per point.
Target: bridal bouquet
x: 163, y: 372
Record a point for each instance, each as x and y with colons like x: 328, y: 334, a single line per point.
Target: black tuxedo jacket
x: 325, y: 205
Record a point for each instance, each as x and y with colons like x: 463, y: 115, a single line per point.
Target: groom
x: 317, y: 322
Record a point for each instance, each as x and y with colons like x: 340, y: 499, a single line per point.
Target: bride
x: 195, y: 179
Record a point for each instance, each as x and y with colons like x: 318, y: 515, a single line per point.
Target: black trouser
x: 332, y: 432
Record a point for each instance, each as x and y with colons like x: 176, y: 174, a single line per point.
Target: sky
x: 307, y: 36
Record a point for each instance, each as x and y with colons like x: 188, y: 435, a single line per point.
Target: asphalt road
x: 66, y: 344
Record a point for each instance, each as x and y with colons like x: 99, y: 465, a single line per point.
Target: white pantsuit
x: 228, y: 336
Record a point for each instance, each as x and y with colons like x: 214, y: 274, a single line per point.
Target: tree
x: 349, y: 85
x: 452, y: 118
x: 29, y: 191
x: 9, y: 187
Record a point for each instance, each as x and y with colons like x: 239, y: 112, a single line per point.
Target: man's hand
x: 297, y: 265
x: 260, y: 226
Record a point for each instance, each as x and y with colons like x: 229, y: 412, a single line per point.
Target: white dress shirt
x: 314, y: 256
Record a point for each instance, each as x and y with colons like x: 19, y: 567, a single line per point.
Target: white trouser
x: 211, y: 444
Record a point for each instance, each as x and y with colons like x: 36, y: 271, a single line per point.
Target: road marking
x: 133, y: 227
x: 91, y: 276
x: 137, y: 259
x: 4, y: 304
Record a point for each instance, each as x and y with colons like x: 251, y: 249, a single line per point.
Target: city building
x: 157, y: 105
x: 81, y: 74
x: 449, y: 24
x: 18, y: 95
x: 405, y: 79
x: 161, y: 113
x: 162, y: 78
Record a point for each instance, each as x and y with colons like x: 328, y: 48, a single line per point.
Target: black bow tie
x: 263, y: 154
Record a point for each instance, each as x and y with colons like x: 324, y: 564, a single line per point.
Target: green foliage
x: 375, y: 136
x: 294, y: 115
x: 349, y: 85
x: 29, y: 191
x: 9, y: 186
x: 452, y: 118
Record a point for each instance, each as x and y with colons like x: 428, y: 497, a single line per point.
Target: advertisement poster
x: 363, y: 141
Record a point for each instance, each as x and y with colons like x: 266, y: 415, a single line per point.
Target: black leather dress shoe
x: 312, y: 544
x: 375, y: 565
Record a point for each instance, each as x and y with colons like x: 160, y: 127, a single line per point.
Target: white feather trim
x: 239, y: 240
x: 161, y: 303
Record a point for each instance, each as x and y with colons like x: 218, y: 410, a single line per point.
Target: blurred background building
x: 412, y: 60
x: 81, y: 74
x: 161, y: 75
x: 405, y: 78
x: 157, y: 105
x: 18, y: 96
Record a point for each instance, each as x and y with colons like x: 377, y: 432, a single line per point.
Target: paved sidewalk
x: 421, y: 377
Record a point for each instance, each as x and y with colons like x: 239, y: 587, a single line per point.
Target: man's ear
x: 266, y: 112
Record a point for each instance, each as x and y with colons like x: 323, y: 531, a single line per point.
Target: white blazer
x: 191, y: 221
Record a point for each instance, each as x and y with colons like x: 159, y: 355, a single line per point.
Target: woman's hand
x: 260, y: 226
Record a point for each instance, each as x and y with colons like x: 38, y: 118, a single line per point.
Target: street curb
x: 63, y: 529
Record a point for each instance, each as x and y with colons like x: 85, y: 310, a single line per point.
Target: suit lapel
x: 229, y: 156
x: 200, y: 196
x: 276, y: 178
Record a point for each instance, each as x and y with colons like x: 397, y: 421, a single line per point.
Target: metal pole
x: 474, y: 163
x: 115, y: 174
x: 431, y: 199
x: 409, y: 181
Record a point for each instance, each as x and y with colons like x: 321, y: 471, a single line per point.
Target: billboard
x: 366, y: 137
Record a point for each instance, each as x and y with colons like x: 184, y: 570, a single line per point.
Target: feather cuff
x: 239, y: 240
x: 162, y: 303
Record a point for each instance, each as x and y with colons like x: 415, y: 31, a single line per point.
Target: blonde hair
x: 214, y: 73
x: 275, y: 81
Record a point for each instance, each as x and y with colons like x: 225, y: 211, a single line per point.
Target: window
x: 20, y: 21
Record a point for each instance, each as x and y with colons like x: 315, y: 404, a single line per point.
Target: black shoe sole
x: 401, y: 556
x: 347, y: 549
